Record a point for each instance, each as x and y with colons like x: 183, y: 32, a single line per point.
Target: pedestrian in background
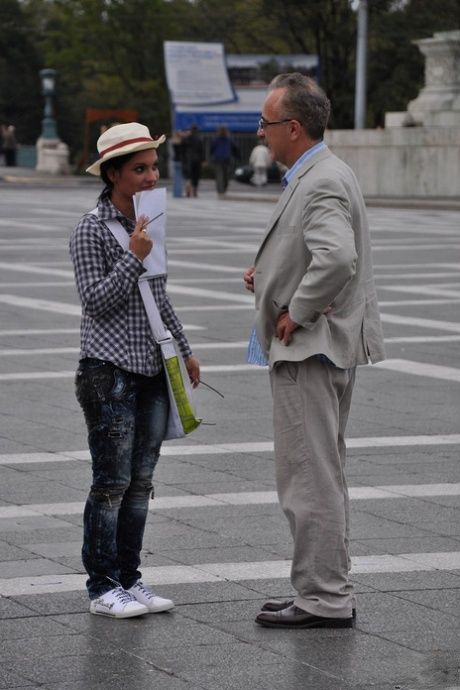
x: 317, y: 319
x: 9, y: 144
x: 222, y: 150
x: 120, y: 381
x: 193, y: 161
x: 178, y: 151
x: 260, y: 160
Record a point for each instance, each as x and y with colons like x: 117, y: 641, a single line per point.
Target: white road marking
x: 174, y: 450
x: 435, y: 371
x: 421, y: 323
x: 417, y: 302
x: 432, y: 290
x: 425, y: 339
x: 415, y: 247
x: 243, y: 344
x: 410, y: 276
x: 244, y: 498
x: 404, y: 267
x: 41, y: 305
x: 401, y: 365
x: 35, y: 269
x: 211, y: 368
x: 61, y: 283
x: 215, y: 307
x: 206, y: 267
x: 176, y: 289
x: 235, y: 572
x: 38, y: 331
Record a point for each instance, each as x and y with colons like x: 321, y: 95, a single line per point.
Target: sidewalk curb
x: 24, y: 176
x: 444, y: 204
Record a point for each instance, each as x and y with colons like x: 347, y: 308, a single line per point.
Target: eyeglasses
x: 263, y: 123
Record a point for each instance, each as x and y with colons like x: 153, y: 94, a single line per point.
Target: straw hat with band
x: 122, y: 139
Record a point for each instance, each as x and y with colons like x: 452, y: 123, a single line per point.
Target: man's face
x: 276, y: 136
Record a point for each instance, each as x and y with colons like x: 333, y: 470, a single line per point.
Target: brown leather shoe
x: 276, y: 605
x: 293, y: 617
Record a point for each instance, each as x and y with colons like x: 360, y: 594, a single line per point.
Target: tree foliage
x: 109, y: 53
x: 19, y: 65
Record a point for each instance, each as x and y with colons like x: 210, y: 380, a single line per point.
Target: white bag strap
x: 160, y: 333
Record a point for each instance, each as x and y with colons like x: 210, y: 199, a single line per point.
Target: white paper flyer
x: 152, y: 204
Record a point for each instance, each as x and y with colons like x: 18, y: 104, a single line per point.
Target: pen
x: 151, y: 220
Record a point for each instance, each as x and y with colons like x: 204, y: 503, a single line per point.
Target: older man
x: 316, y: 319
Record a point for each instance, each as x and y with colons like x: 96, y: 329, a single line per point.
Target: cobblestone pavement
x: 216, y: 541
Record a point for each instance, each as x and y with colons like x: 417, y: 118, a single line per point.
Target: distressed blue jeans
x: 126, y: 416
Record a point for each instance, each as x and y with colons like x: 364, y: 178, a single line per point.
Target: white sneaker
x: 117, y: 603
x: 144, y: 595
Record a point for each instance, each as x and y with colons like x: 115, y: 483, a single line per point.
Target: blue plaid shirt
x: 114, y: 325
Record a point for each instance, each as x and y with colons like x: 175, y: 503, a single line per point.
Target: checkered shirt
x: 114, y: 325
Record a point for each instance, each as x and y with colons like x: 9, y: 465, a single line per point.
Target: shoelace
x: 123, y: 596
x: 146, y: 592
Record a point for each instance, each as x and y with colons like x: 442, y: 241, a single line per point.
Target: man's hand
x: 248, y: 278
x: 193, y: 369
x: 285, y: 328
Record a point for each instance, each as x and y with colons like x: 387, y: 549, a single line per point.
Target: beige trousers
x: 311, y: 402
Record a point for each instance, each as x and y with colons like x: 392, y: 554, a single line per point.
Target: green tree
x: 109, y: 53
x: 20, y: 99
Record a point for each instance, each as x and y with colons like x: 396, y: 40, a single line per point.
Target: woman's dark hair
x: 116, y: 163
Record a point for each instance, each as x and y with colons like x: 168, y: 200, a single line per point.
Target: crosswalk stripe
x: 235, y: 345
x: 357, y: 493
x: 225, y: 448
x: 436, y: 371
x: 421, y: 323
x: 234, y: 572
x: 404, y: 366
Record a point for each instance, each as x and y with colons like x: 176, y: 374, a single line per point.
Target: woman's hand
x: 193, y: 369
x: 140, y: 242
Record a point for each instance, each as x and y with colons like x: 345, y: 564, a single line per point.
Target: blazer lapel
x: 289, y: 191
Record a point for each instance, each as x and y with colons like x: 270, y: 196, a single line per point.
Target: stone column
x: 438, y: 103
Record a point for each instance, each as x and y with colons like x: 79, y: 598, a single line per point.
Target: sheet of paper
x: 152, y: 204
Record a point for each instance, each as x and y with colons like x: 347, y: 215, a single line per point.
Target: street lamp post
x: 48, y: 77
x: 52, y: 153
x: 361, y: 60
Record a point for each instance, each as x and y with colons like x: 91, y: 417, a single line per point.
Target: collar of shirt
x: 107, y: 211
x: 289, y: 174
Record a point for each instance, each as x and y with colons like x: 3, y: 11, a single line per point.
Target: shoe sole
x: 333, y: 623
x: 162, y: 609
x: 129, y: 614
x: 273, y: 606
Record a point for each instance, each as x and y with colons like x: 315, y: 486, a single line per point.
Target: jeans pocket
x: 94, y: 381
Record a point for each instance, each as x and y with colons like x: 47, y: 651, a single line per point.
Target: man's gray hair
x: 304, y: 101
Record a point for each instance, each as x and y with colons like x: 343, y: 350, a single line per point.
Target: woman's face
x: 138, y: 174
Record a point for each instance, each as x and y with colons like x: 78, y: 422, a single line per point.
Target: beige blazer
x: 316, y: 252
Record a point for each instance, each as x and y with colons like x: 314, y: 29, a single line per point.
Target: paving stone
x: 210, y: 641
x: 34, y: 566
x: 9, y: 552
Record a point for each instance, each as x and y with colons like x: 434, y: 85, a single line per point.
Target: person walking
x: 120, y: 382
x: 260, y: 160
x: 317, y: 319
x: 9, y: 145
x: 222, y: 150
x: 177, y: 148
x: 193, y: 161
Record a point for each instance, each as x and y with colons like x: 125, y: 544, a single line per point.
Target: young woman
x: 120, y: 383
